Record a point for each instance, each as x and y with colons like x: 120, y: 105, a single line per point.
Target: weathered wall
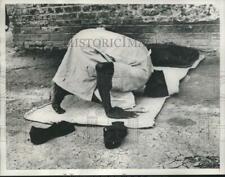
x: 49, y: 26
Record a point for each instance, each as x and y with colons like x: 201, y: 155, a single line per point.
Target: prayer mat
x: 88, y: 113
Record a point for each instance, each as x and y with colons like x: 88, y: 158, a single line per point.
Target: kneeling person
x: 103, y: 60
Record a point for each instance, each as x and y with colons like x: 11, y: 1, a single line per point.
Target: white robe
x: 77, y: 74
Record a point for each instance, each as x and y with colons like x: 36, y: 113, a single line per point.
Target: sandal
x: 42, y: 135
x: 114, y: 135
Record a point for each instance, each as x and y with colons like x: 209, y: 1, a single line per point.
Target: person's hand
x: 119, y: 113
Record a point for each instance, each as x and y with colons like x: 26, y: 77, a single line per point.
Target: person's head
x: 156, y: 85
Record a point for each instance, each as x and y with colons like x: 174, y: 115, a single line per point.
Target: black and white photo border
x: 3, y: 168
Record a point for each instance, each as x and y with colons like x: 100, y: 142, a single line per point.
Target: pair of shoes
x: 114, y: 134
x: 41, y: 135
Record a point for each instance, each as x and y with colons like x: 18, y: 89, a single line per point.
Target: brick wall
x: 50, y: 26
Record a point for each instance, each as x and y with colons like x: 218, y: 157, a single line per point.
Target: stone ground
x: 186, y: 134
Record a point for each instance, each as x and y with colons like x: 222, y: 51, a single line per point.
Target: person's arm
x: 104, y: 85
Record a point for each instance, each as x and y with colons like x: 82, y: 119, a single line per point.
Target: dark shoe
x: 41, y: 135
x: 114, y: 135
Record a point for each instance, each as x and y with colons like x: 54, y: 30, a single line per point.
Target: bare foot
x: 58, y: 109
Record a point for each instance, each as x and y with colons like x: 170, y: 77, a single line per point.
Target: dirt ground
x: 186, y: 134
